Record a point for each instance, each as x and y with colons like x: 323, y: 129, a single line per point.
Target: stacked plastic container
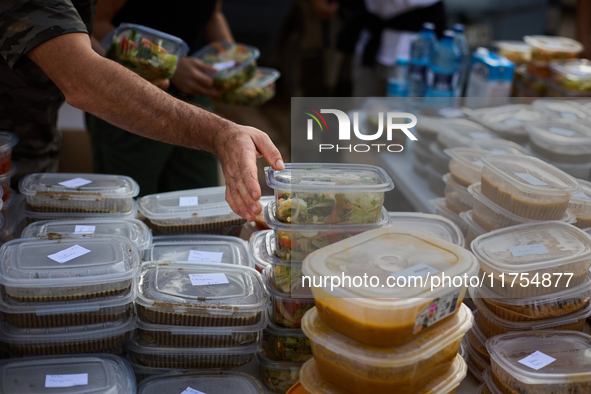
x: 507, y: 121
x: 545, y: 49
x: 570, y: 78
x: 210, y: 382
x: 7, y: 168
x: 435, y: 225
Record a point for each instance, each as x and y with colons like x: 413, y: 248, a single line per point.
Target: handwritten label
x: 221, y: 66
x: 69, y: 380
x: 561, y: 131
x: 532, y: 180
x: 190, y: 390
x: 537, y: 360
x: 188, y: 201
x: 84, y: 229
x: 319, y: 183
x: 420, y: 269
x: 76, y: 182
x: 199, y: 255
x: 69, y: 254
x: 528, y: 250
x: 581, y: 196
x: 569, y: 115
x: 208, y: 279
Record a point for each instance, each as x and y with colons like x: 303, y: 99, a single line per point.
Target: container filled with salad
x: 278, y: 376
x: 257, y: 91
x: 573, y: 75
x: 286, y: 310
x: 544, y: 49
x: 7, y: 142
x: 287, y: 344
x: 516, y: 51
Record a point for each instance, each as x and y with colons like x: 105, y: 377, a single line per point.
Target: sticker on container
x: 221, y: 66
x: 190, y: 390
x: 420, y: 269
x: 318, y: 183
x: 439, y: 309
x: 528, y: 250
x: 199, y: 255
x: 532, y: 180
x: 562, y: 132
x: 511, y: 122
x: 84, y: 229
x: 67, y: 380
x: 188, y: 201
x: 581, y: 196
x: 451, y: 112
x: 479, y: 135
x: 76, y: 182
x: 537, y: 360
x: 208, y: 279
x: 569, y: 115
x: 69, y: 254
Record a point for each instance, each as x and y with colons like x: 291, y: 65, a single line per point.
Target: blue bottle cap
x: 402, y: 62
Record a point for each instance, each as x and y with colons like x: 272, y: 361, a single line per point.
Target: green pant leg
x: 189, y: 169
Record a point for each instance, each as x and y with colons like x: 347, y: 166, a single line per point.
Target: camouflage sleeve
x: 25, y: 24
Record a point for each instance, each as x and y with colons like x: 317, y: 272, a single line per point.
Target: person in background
x: 46, y: 57
x: 156, y: 166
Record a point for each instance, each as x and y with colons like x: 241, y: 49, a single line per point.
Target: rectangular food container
x: 507, y: 121
x: 360, y: 368
x: 195, y: 382
x: 476, y: 339
x: 533, y: 252
x: 200, y: 294
x: 489, y: 383
x: 580, y: 205
x: 527, y: 186
x: 235, y: 63
x: 388, y: 315
x: 32, y: 216
x: 108, y: 337
x: 321, y: 194
x: 458, y: 133
x: 76, y: 374
x: 500, y: 147
x: 7, y: 142
x: 562, y: 109
x: 547, y: 48
x: 286, y: 344
x: 150, y: 53
x: 476, y: 365
x: 34, y: 270
x: 473, y: 229
x: 442, y: 210
x: 296, y: 241
x: 569, y: 372
x: 257, y: 91
x: 436, y: 225
x: 254, y: 246
x: 278, y: 376
x: 573, y: 75
x: 457, y: 197
x: 561, y: 140
x: 286, y: 310
x: 465, y: 165
x: 516, y: 51
x: 86, y: 193
x: 196, y: 210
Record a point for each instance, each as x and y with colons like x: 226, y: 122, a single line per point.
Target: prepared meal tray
x: 388, y: 315
x: 32, y: 216
x: 200, y: 248
x: 142, y: 372
x: 547, y: 258
x: 580, y: 205
x: 107, y: 337
x: 473, y: 229
x: 435, y: 181
x: 278, y: 376
x: 561, y: 140
x: 465, y: 165
x: 7, y: 142
x: 200, y: 294
x: 476, y: 365
x: 134, y: 230
x: 257, y: 91
x: 436, y: 225
x: 476, y: 339
x: 235, y: 64
x: 491, y: 216
x: 286, y: 344
x: 360, y: 368
x: 196, y: 210
x: 195, y: 382
x: 150, y: 53
x: 441, y: 209
x: 67, y: 269
x: 527, y: 186
x: 458, y: 133
x: 541, y: 362
x: 547, y: 48
x: 286, y: 310
x: 515, y: 51
x: 155, y: 356
x: 500, y: 147
x: 562, y: 109
x: 84, y: 193
x: 296, y: 241
x: 75, y: 374
x: 573, y: 75
x: 26, y: 314
x: 439, y: 159
x: 507, y: 121
x: 457, y: 197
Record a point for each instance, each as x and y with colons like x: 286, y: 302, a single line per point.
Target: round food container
x: 5, y: 182
x: 436, y: 225
x: 476, y: 364
x: 547, y: 48
x: 489, y: 383
x: 257, y: 91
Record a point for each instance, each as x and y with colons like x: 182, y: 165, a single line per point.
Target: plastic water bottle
x: 420, y: 52
x: 398, y: 79
x: 462, y: 43
x: 443, y: 73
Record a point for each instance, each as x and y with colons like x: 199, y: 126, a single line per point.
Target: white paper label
x: 208, y: 279
x: 76, y: 182
x: 561, y: 131
x: 319, y: 183
x: 511, y: 122
x: 84, y: 229
x: 581, y: 196
x: 537, y: 360
x: 69, y: 380
x: 569, y: 116
x: 224, y: 65
x: 69, y: 254
x: 451, y: 112
x: 420, y: 269
x: 532, y: 180
x: 199, y: 255
x: 190, y: 390
x: 479, y: 135
x: 528, y: 250
x: 188, y: 201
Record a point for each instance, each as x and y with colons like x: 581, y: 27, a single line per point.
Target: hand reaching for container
x: 192, y: 78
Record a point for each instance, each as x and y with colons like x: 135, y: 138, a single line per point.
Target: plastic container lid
x: 263, y: 248
x: 263, y: 77
x: 580, y: 203
x: 469, y: 164
x: 255, y: 245
x: 194, y: 382
x: 227, y: 57
x: 508, y: 119
x: 7, y: 140
x: 469, y: 220
x: 490, y: 383
x: 151, y: 34
x: 134, y: 230
x: 457, y: 133
x: 79, y: 186
x: 200, y: 248
x: 331, y: 178
x: 500, y: 147
x: 565, y: 109
x: 560, y: 136
x: 568, y: 369
x: 573, y: 69
x: 433, y: 224
x: 81, y: 374
x: 554, y: 44
x: 28, y: 213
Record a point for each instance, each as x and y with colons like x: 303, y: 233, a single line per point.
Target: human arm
x: 217, y: 28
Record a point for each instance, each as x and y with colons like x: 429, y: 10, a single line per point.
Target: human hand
x: 324, y: 9
x: 191, y: 78
x: 238, y: 148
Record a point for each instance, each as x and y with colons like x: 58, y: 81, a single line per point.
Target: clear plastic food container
x: 534, y: 252
x: 200, y: 248
x: 287, y: 344
x: 458, y: 133
x: 320, y: 194
x: 7, y: 142
x: 507, y: 121
x: 457, y: 197
x: 580, y: 205
x: 81, y: 374
x: 473, y: 229
x: 541, y: 362
x: 563, y: 109
x: 476, y: 365
x: 150, y: 53
x: 195, y: 382
x: 108, y: 337
x: 203, y: 210
x: 526, y: 186
x: 547, y: 48
x: 465, y: 165
x: 260, y: 218
x: 235, y: 63
x: 156, y: 356
x: 442, y: 210
x: 576, y: 170
x: 436, y: 225
x: 572, y: 75
x: 254, y: 245
x: 66, y: 313
x: 500, y: 147
x: 515, y: 51
x: 561, y: 140
x: 86, y: 193
x: 490, y: 216
x: 489, y: 383
x: 286, y: 310
x: 32, y: 216
x: 5, y: 183
x: 200, y: 294
x: 33, y: 270
x: 278, y: 376
x: 132, y: 229
x: 435, y: 178
x: 296, y: 241
x: 257, y: 91
x: 389, y: 315
x: 403, y: 369
x: 477, y: 341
